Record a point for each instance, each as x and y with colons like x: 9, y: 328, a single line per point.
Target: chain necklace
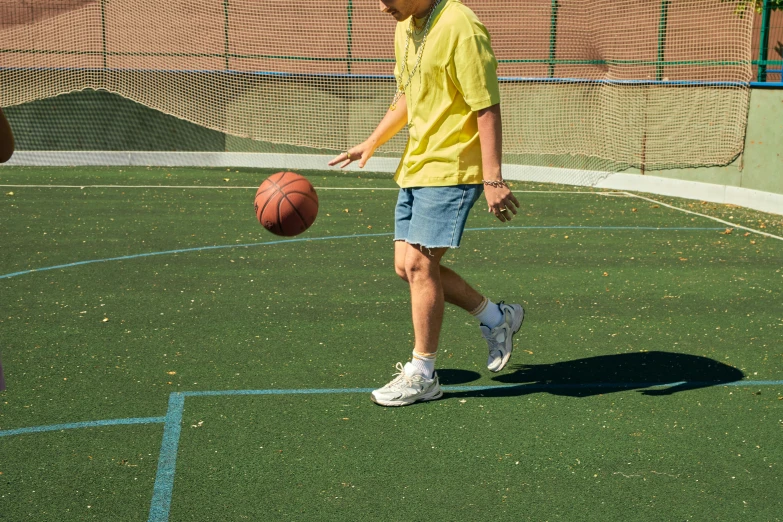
x: 400, y: 87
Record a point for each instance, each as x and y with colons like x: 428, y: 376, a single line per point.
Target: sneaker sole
x: 510, y: 346
x: 423, y: 398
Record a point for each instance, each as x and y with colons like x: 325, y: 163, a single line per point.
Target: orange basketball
x: 286, y: 204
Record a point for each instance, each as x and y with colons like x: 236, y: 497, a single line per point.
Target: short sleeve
x: 475, y: 72
x: 398, y: 33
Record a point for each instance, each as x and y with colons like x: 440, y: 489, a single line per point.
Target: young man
x: 6, y: 139
x: 449, y: 98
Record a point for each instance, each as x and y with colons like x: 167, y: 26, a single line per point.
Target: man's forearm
x: 391, y: 124
x: 491, y: 135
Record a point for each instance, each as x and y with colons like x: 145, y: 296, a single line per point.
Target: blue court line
x: 354, y: 236
x: 164, y: 480
x: 167, y: 460
x: 183, y: 250
x: 451, y: 389
x: 390, y: 78
x: 79, y: 425
x: 326, y: 391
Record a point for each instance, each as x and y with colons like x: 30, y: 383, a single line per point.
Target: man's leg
x: 457, y: 291
x: 422, y: 269
x: 499, y: 323
x: 416, y: 380
x: 503, y: 320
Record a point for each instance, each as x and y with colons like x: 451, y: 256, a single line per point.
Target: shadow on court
x: 667, y: 372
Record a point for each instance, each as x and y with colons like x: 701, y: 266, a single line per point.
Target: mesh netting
x: 647, y: 83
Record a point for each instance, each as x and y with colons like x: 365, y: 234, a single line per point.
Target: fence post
x: 103, y: 32
x: 350, y: 34
x: 553, y: 39
x: 226, y: 48
x: 763, y: 42
x: 662, y: 26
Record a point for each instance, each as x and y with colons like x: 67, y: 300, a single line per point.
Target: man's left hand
x: 501, y: 202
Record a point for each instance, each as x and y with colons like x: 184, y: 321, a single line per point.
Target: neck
x: 424, y: 10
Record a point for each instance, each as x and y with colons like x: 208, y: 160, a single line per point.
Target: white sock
x: 488, y: 313
x: 422, y: 364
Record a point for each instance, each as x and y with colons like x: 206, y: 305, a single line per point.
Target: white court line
x: 219, y: 187
x: 597, y: 193
x: 729, y: 223
x: 210, y: 187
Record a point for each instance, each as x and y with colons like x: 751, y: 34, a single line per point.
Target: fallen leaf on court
x: 172, y: 373
x: 226, y: 179
x: 633, y: 210
x: 683, y: 259
x: 346, y: 210
x: 105, y: 320
x: 9, y: 193
x: 606, y: 274
x: 528, y: 351
x: 746, y: 234
x: 728, y: 231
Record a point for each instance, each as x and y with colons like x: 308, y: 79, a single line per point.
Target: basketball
x: 286, y: 204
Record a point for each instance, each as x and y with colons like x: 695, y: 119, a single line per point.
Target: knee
x: 417, y: 269
x: 400, y: 269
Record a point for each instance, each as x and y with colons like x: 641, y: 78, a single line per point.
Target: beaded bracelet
x: 497, y: 184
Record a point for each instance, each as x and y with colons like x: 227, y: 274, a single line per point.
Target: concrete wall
x: 760, y: 166
x: 100, y: 121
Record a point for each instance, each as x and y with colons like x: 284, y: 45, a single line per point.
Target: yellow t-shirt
x: 456, y: 78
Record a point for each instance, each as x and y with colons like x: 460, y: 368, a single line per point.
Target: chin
x: 399, y: 16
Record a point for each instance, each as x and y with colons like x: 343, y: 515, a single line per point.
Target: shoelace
x: 497, y: 335
x: 400, y: 379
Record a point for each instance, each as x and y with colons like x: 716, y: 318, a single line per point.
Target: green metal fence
x: 765, y: 66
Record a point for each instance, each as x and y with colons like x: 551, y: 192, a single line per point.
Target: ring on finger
x: 347, y: 155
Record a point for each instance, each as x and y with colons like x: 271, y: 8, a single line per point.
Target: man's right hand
x: 361, y: 153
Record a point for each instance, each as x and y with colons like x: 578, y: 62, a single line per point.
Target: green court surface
x: 166, y: 358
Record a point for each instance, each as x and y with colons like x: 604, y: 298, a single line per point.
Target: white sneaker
x: 500, y: 339
x: 406, y: 389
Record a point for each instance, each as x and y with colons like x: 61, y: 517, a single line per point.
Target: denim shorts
x: 434, y: 217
